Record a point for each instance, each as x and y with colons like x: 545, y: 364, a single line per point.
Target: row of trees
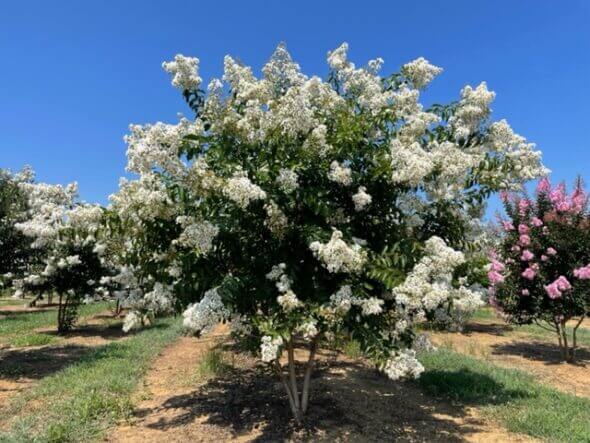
x: 295, y: 208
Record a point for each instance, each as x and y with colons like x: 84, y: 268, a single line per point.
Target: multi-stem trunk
x: 298, y: 402
x: 568, y: 352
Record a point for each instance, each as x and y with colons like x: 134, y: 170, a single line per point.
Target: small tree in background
x: 300, y: 208
x: 16, y: 255
x: 68, y: 233
x: 540, y: 274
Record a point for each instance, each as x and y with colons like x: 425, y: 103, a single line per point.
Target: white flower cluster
x: 337, y: 256
x: 340, y: 174
x: 198, y: 235
x: 473, y: 109
x: 403, y: 364
x: 364, y: 83
x: 361, y: 199
x: 184, y: 71
x: 420, y: 72
x: 429, y: 286
x: 270, y: 348
x: 343, y: 299
x: 204, y: 315
x: 410, y: 163
x: 287, y: 300
x: 308, y: 329
x: 156, y: 146
x: 142, y: 306
x: 142, y: 200
x: 287, y: 180
x: 242, y: 191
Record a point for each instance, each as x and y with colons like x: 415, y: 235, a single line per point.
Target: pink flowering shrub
x: 541, y: 272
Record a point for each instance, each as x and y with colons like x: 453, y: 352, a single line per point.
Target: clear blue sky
x: 75, y: 74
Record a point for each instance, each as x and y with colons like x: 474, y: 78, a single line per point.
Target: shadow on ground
x: 40, y: 362
x: 548, y: 353
x: 350, y: 402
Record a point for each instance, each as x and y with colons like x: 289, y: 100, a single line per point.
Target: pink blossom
x: 534, y: 266
x: 523, y: 229
x: 504, y: 196
x: 544, y: 258
x: 525, y: 292
x: 558, y: 194
x: 545, y: 230
x: 527, y: 255
x: 508, y: 226
x: 497, y: 266
x: 537, y: 222
x: 515, y: 248
x: 523, y: 205
x: 583, y: 273
x: 509, y: 260
x: 563, y: 205
x: 495, y: 277
x: 524, y: 240
x: 551, y: 251
x: 562, y: 283
x: 578, y: 199
x: 544, y: 186
x: 553, y: 291
x: 529, y: 273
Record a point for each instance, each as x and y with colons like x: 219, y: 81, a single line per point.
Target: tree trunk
x: 298, y: 404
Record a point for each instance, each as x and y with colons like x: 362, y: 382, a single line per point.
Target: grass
x: 33, y: 339
x: 22, y: 323
x: 215, y: 363
x: 511, y: 397
x: 535, y: 331
x: 80, y: 402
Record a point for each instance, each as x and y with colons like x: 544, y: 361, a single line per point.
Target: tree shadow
x: 549, y: 353
x: 106, y: 331
x: 498, y: 329
x: 40, y: 362
x: 349, y: 402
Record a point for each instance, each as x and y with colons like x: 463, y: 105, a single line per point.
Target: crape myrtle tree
x: 299, y: 208
x: 16, y: 253
x: 540, y: 272
x: 68, y: 233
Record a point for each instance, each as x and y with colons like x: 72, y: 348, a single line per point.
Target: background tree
x: 17, y: 254
x: 540, y: 272
x: 300, y: 208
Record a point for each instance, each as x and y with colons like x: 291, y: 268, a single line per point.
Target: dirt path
x: 349, y: 403
x: 505, y: 346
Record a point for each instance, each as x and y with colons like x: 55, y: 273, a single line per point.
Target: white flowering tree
x: 299, y: 208
x: 17, y: 255
x: 67, y: 232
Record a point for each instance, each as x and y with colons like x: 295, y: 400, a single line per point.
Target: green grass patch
x: 78, y: 403
x: 214, y: 363
x: 512, y: 397
x: 18, y: 323
x: 33, y: 339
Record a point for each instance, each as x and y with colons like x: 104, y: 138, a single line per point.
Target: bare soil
x: 350, y: 402
x: 501, y: 344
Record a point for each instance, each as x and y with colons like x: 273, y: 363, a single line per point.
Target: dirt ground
x: 503, y: 345
x: 350, y: 402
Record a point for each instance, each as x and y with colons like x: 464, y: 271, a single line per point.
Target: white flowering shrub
x: 298, y: 208
x: 17, y: 255
x: 71, y: 264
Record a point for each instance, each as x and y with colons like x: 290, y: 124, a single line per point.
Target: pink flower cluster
x: 554, y: 290
x: 574, y: 203
x: 583, y: 273
x: 494, y: 274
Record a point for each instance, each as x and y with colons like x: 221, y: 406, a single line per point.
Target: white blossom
x: 340, y: 174
x: 337, y: 256
x: 184, y: 71
x: 204, y: 315
x: 242, y: 191
x: 361, y: 199
x: 403, y: 364
x: 270, y: 348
